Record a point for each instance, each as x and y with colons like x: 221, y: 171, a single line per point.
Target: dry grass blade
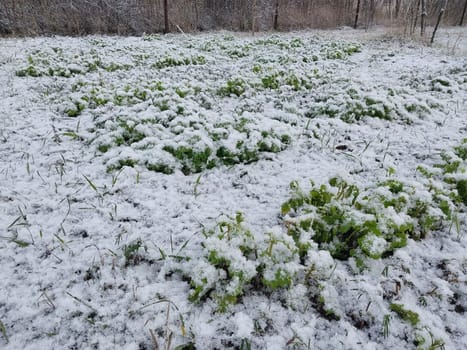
x: 82, y: 302
x: 48, y: 300
x: 154, y: 339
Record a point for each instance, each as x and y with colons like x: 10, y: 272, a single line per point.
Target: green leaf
x: 461, y: 187
x: 406, y: 315
x: 3, y: 331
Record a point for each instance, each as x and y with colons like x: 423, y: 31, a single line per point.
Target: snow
x: 244, y: 325
x: 92, y: 257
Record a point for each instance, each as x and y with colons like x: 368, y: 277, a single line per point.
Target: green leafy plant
x: 129, y: 134
x: 75, y: 109
x: 228, y: 263
x: 242, y: 155
x: 234, y: 259
x: 160, y: 168
x: 339, y: 50
x: 279, y: 260
x: 406, y: 315
x: 352, y: 221
x: 122, y: 163
x: 325, y: 311
x: 174, y: 62
x: 132, y: 252
x: 234, y: 87
x: 270, y: 82
x: 30, y: 71
x: 192, y: 161
x: 454, y: 172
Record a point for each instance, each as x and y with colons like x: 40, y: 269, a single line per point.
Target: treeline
x: 128, y: 17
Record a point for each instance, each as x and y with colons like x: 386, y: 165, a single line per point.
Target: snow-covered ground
x: 125, y: 162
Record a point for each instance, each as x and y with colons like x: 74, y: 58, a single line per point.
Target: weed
x: 454, y: 167
x: 233, y: 258
x: 257, y: 69
x: 326, y: 312
x: 243, y: 155
x: 75, y: 109
x: 192, y: 161
x: 181, y: 93
x: 245, y: 345
x: 345, y: 219
x: 122, y: 163
x: 104, y: 148
x: 235, y: 87
x: 227, y: 264
x: 386, y: 323
x: 131, y: 252
x: 270, y: 82
x: 195, y: 187
x: 461, y: 150
x: 128, y: 134
x: 339, y: 50
x: 160, y: 168
x: 174, y: 62
x: 461, y: 188
x: 407, y: 315
x: 30, y: 71
x: 441, y: 84
x: 278, y: 264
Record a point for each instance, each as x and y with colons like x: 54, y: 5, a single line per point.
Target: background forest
x: 78, y: 17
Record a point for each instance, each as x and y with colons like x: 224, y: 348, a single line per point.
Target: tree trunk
x: 196, y: 11
x: 275, y: 25
x: 357, y: 13
x: 463, y: 14
x: 441, y: 13
x: 166, y: 17
x: 253, y: 17
x: 423, y: 18
x: 371, y: 19
x: 370, y: 7
x: 415, y: 17
x: 397, y: 10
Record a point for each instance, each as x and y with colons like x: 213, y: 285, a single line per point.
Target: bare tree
x: 275, y: 24
x: 414, y: 16
x: 194, y: 15
x: 357, y: 14
x: 463, y: 13
x: 397, y: 9
x: 440, y: 16
x: 370, y: 11
x: 166, y: 17
x: 253, y: 17
x: 423, y: 18
x: 77, y: 17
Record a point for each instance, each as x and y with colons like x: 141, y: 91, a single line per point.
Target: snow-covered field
x: 283, y: 191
